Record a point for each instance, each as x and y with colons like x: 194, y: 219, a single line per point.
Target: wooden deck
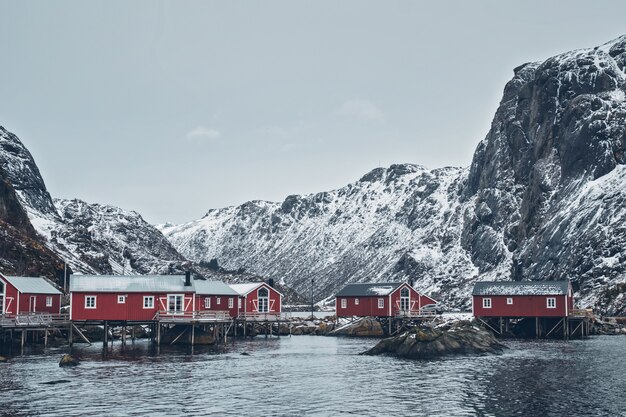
x: 194, y: 317
x: 34, y: 320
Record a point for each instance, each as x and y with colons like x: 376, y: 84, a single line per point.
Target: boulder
x: 457, y: 338
x: 3, y: 359
x: 365, y: 327
x: 68, y: 360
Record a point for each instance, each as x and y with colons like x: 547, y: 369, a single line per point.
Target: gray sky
x: 172, y: 108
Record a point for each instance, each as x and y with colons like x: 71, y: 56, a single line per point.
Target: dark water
x: 319, y: 376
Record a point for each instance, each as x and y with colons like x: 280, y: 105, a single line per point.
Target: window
x: 552, y: 302
x: 356, y: 301
x: 231, y: 302
x: 148, y: 302
x: 344, y: 303
x: 381, y: 303
x: 509, y: 301
x: 217, y: 300
x: 49, y: 301
x: 486, y: 302
x: 207, y: 302
x: 121, y: 299
x: 239, y: 302
x: 90, y: 301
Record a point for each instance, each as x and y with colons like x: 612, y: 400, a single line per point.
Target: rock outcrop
x: 365, y: 327
x: 458, y: 338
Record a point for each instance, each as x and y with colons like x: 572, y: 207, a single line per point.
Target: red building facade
x: 21, y: 295
x: 388, y: 299
x: 130, y: 298
x: 216, y: 296
x: 257, y: 298
x: 522, y: 299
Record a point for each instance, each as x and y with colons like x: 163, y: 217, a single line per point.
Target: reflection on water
x: 319, y: 376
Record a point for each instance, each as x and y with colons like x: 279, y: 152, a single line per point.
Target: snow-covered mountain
x: 91, y: 238
x: 544, y: 198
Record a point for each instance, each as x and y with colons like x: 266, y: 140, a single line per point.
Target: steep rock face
x: 550, y: 173
x: 91, y: 238
x: 21, y: 250
x: 543, y: 199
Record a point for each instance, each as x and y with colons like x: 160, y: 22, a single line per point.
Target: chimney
x: 270, y: 282
x: 188, y: 279
x: 411, y: 282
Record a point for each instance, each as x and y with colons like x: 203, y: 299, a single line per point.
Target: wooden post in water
x: 537, y: 327
x: 23, y: 340
x: 193, y: 334
x: 105, y: 342
x: 45, y: 337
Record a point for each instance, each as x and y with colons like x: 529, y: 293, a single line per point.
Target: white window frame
x: 89, y: 305
x: 218, y: 300
x: 486, y: 302
x: 150, y: 300
x: 381, y: 303
x: 207, y: 303
x: 356, y: 301
x: 239, y: 302
x: 121, y: 299
x: 509, y: 301
x: 48, y: 301
x: 344, y: 303
x: 231, y: 302
x: 551, y: 302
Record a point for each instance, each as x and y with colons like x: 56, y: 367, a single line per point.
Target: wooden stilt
x: 105, y: 342
x: 45, y: 338
x: 537, y: 327
x: 158, y: 334
x: 123, y: 335
x: 193, y: 334
x: 501, y: 326
x: 23, y: 340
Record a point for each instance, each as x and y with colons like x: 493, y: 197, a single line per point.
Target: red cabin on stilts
x: 258, y: 299
x: 22, y: 295
x: 131, y: 298
x: 522, y: 299
x: 385, y: 299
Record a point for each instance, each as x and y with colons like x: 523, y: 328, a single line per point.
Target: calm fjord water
x: 319, y: 376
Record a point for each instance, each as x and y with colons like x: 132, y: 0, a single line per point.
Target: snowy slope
x: 542, y: 199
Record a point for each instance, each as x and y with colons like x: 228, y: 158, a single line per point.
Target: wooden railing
x: 255, y: 316
x: 201, y: 315
x: 586, y: 312
x: 414, y: 313
x: 33, y: 319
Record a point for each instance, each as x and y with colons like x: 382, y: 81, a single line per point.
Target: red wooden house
x: 386, y: 299
x: 130, y: 298
x: 522, y: 299
x: 20, y: 295
x: 257, y: 298
x: 216, y: 296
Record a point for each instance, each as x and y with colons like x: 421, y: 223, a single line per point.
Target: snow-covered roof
x: 248, y: 287
x: 213, y: 287
x: 32, y: 285
x: 521, y: 288
x: 369, y: 289
x: 130, y: 283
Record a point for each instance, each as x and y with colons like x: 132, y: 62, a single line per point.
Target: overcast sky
x: 173, y: 108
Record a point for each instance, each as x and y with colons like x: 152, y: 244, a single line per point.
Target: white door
x: 32, y: 305
x: 175, y: 303
x: 263, y: 297
x: 405, y: 299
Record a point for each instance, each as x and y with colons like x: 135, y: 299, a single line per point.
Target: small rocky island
x: 453, y: 338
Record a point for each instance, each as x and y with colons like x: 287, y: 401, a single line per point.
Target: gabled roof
x: 213, y: 288
x: 130, y: 283
x: 369, y: 289
x: 248, y: 287
x: 32, y: 285
x: 521, y: 288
